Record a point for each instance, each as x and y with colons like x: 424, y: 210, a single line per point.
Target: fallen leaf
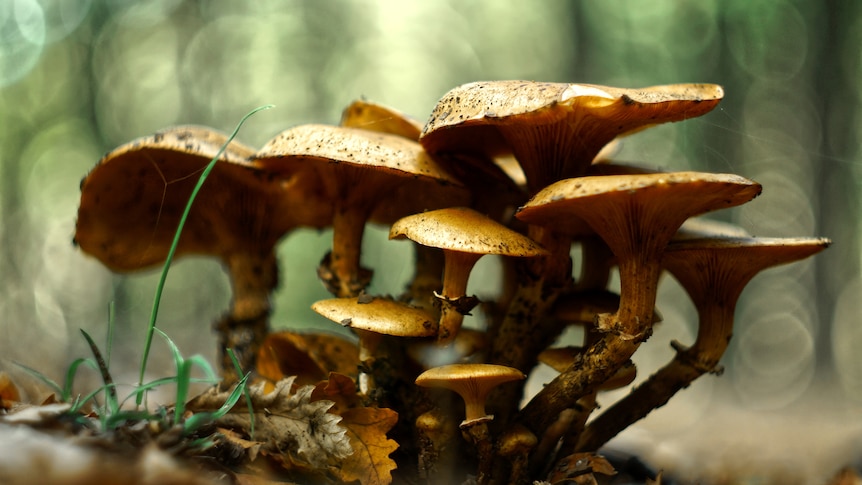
x: 366, y: 428
x: 308, y: 356
x: 370, y: 462
x: 291, y: 425
x: 580, y: 468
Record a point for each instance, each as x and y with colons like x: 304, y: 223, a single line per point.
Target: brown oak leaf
x: 308, y: 356
x: 291, y: 425
x: 366, y: 428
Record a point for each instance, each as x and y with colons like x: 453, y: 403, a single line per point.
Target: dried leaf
x: 309, y: 357
x: 366, y: 429
x: 8, y: 390
x: 579, y: 468
x: 370, y: 462
x: 293, y: 426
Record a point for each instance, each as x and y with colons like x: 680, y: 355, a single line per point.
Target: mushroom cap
x: 377, y: 117
x: 471, y: 381
x: 132, y: 200
x: 465, y: 230
x: 555, y: 130
x: 720, y: 267
x: 324, y: 147
x: 658, y: 202
x: 379, y: 315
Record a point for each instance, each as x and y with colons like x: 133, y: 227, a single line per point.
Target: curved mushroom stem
x: 243, y: 329
x: 454, y: 302
x: 714, y: 331
x: 340, y: 270
x: 625, y: 330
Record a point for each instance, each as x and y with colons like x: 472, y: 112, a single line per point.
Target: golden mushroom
x: 473, y: 382
x: 713, y: 271
x: 464, y: 235
x: 353, y: 170
x: 372, y: 318
x: 636, y: 216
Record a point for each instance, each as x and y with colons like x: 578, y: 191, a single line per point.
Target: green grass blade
x: 248, y: 403
x: 199, y: 419
x: 111, y: 400
x: 164, y: 274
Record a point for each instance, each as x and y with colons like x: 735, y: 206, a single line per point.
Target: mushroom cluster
x: 514, y: 169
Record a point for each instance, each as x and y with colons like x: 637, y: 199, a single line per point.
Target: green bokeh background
x: 79, y: 77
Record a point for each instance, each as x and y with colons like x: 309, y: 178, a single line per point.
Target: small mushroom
x: 437, y: 446
x: 372, y: 318
x: 636, y: 215
x: 473, y: 382
x: 464, y: 235
x: 515, y: 446
x: 713, y: 271
x: 353, y: 170
x: 132, y: 201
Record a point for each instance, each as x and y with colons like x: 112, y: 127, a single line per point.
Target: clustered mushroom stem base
x: 244, y: 337
x: 477, y: 433
x: 714, y: 332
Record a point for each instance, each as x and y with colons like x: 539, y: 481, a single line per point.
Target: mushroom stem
x: 427, y: 278
x: 341, y: 273
x: 639, y: 276
x: 246, y: 325
x: 454, y: 302
x: 714, y: 332
x: 477, y: 433
x: 597, y: 365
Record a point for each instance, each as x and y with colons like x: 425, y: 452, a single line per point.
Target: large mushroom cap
x: 132, y: 200
x: 379, y: 315
x: 555, y: 130
x: 465, y: 230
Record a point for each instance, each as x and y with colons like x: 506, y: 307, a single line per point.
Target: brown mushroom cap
x: 472, y: 382
x: 465, y: 230
x: 637, y: 215
x: 555, y: 130
x: 465, y: 236
x: 377, y: 117
x: 354, y: 170
x: 132, y: 200
x: 379, y: 315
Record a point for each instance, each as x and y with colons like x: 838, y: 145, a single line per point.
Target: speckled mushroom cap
x: 555, y: 130
x: 379, y: 315
x: 659, y: 202
x: 132, y: 200
x: 465, y: 230
x: 326, y: 147
x: 732, y: 261
x: 377, y: 117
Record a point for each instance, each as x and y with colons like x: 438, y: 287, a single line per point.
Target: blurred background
x: 80, y: 77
